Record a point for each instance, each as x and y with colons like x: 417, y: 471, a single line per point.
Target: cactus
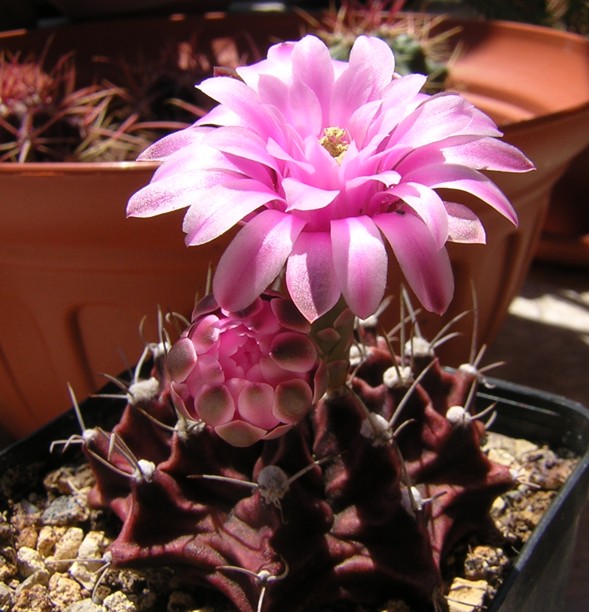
x: 280, y: 450
x: 358, y: 501
x: 417, y: 49
x: 46, y: 115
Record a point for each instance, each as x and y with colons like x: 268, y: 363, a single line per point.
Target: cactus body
x: 358, y: 502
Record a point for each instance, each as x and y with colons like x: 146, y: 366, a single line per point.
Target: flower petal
x: 425, y: 266
x: 242, y: 100
x: 240, y: 433
x: 369, y: 71
x: 293, y: 352
x: 176, y: 141
x: 220, y: 208
x: 292, y: 400
x: 214, y: 404
x: 464, y: 225
x: 428, y: 205
x: 488, y: 154
x: 254, y: 258
x: 310, y: 275
x: 452, y: 176
x: 300, y: 196
x: 255, y: 401
x: 312, y: 67
x: 360, y: 262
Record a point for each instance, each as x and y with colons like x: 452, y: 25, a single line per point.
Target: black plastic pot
x: 538, y: 579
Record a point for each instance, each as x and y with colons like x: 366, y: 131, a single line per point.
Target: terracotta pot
x: 533, y: 81
x: 76, y: 278
x: 62, y: 321
x: 565, y: 236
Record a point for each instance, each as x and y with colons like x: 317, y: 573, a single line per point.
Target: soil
x: 52, y: 546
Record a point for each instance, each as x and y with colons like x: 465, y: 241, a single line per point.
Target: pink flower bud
x: 250, y: 375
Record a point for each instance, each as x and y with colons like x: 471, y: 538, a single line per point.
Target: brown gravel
x: 53, y: 548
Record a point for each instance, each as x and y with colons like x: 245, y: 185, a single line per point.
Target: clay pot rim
x: 75, y: 167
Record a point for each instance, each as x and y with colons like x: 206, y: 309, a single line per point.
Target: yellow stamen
x: 334, y: 141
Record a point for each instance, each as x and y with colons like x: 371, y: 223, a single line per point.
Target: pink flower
x: 249, y: 375
x: 326, y: 163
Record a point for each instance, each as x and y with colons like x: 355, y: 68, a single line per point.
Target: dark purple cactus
x: 358, y: 502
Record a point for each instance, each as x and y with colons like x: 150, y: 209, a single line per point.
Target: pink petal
x: 360, y: 262
x: 240, y: 433
x: 171, y: 143
x: 484, y: 153
x: 428, y: 205
x: 242, y: 100
x: 175, y: 182
x: 300, y: 196
x: 312, y: 67
x: 214, y: 404
x: 488, y: 154
x: 255, y: 258
x: 443, y: 116
x: 292, y: 400
x: 451, y: 176
x: 161, y: 197
x: 255, y: 403
x: 310, y: 275
x: 464, y: 225
x: 241, y: 142
x: 181, y: 359
x: 293, y: 352
x: 276, y: 65
x: 220, y: 208
x: 426, y: 267
x: 376, y: 55
x: 369, y: 71
x: 206, y: 333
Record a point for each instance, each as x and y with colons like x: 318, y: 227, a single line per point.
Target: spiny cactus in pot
x: 44, y: 116
x: 48, y: 115
x: 284, y: 450
x: 410, y: 35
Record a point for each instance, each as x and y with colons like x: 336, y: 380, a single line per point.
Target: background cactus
x: 417, y: 50
x: 357, y: 502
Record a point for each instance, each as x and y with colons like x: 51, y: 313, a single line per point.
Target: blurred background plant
x: 410, y: 36
x: 46, y: 115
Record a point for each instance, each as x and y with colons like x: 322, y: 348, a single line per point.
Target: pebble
x: 64, y: 510
x: 8, y: 567
x: 485, y: 563
x: 85, y: 605
x: 34, y: 598
x: 5, y: 597
x: 64, y: 590
x: 29, y: 561
x: 119, y: 602
x: 467, y: 595
x: 92, y: 547
x: 69, y: 545
x: 49, y: 535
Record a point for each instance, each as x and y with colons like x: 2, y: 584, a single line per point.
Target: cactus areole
x: 284, y: 450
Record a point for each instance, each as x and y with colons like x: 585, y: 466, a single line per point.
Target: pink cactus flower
x: 250, y: 375
x: 327, y: 164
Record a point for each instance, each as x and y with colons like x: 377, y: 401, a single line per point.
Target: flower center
x: 335, y: 142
